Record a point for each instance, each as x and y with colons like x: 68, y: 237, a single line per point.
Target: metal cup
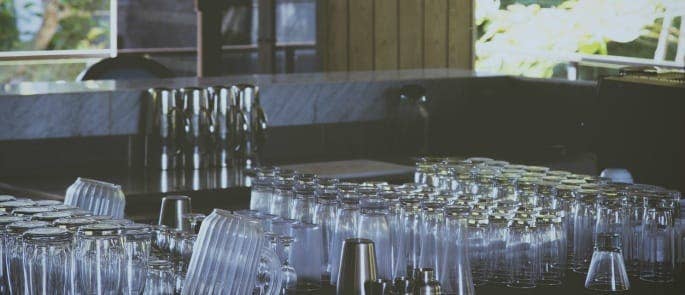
x: 162, y: 125
x: 198, y: 126
x: 172, y: 210
x: 426, y: 284
x: 378, y: 287
x: 357, y: 266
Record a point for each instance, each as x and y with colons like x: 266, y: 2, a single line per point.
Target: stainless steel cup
x: 426, y: 284
x: 253, y: 126
x: 378, y: 287
x: 162, y: 126
x: 357, y: 266
x: 172, y: 210
x: 198, y: 126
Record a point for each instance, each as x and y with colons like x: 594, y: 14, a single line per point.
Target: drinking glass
x: 13, y: 250
x: 159, y: 278
x: 425, y: 169
x: 194, y: 221
x: 51, y: 216
x: 99, y: 259
x: 566, y: 195
x: 374, y: 225
x: 262, y: 189
x: 497, y: 248
x: 431, y: 227
x: 9, y: 206
x: 306, y: 255
x: 30, y: 211
x: 5, y: 220
x: 282, y: 197
x: 583, y: 223
x: 47, y: 252
x: 410, y: 239
x: 325, y: 215
x: 658, y: 245
x: 527, y: 191
x: 607, y: 272
x: 455, y: 271
x: 73, y: 223
x: 305, y: 180
x: 137, y: 243
x: 346, y: 222
x: 552, y: 248
x: 99, y: 197
x: 477, y: 237
x: 521, y: 254
x: 303, y: 204
x: 287, y: 270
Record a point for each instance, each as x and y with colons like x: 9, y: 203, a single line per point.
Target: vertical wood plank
x: 386, y: 33
x: 361, y: 35
x: 337, y: 36
x: 435, y: 34
x: 322, y: 34
x: 411, y: 34
x: 461, y: 33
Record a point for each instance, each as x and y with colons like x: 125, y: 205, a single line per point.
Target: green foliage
x: 9, y: 35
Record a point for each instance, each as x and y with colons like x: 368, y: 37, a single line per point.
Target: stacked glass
x: 501, y: 214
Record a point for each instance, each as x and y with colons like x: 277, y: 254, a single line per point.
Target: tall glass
x: 410, y: 239
x: 477, y: 237
x: 552, y: 248
x: 431, y: 229
x: 262, y: 189
x: 306, y: 256
x: 583, y: 223
x: 497, y: 249
x: 303, y: 204
x: 47, y: 252
x: 658, y: 245
x: 5, y: 220
x: 99, y: 260
x: 374, y: 225
x: 345, y: 227
x: 325, y: 216
x: 14, y: 266
x: 455, y: 268
x: 282, y: 197
x: 607, y: 272
x: 522, y: 256
x: 137, y: 244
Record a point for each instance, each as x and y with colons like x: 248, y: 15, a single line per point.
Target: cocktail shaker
x: 357, y: 266
x: 253, y: 126
x: 426, y: 284
x: 162, y: 126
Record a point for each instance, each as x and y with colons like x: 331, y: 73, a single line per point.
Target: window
x: 563, y: 38
x: 46, y: 31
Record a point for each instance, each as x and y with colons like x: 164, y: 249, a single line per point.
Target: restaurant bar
x: 374, y: 147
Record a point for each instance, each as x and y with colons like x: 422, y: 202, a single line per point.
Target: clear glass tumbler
x: 262, y: 189
x: 584, y: 223
x: 5, y: 220
x: 658, y: 246
x: 137, y: 244
x: 552, y: 249
x: 47, y: 253
x: 306, y: 256
x: 99, y: 259
x: 522, y: 255
x: 478, y: 240
x: 14, y: 266
x: 159, y: 278
x: 607, y: 272
x: 325, y: 215
x: 346, y: 223
x: 374, y: 225
x: 282, y: 197
x: 304, y: 204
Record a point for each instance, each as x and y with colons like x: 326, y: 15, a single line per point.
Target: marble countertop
x: 38, y: 88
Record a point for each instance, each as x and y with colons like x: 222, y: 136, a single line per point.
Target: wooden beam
x: 461, y: 34
x: 435, y: 34
x: 337, y: 35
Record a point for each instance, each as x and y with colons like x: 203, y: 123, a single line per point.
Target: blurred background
x: 55, y: 40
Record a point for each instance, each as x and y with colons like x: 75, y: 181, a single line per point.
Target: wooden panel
x: 435, y: 34
x: 336, y: 35
x: 460, y: 34
x: 361, y: 35
x: 386, y: 33
x: 411, y: 34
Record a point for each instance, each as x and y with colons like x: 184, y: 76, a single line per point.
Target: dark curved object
x: 125, y: 68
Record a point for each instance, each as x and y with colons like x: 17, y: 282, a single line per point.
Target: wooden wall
x: 359, y: 35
